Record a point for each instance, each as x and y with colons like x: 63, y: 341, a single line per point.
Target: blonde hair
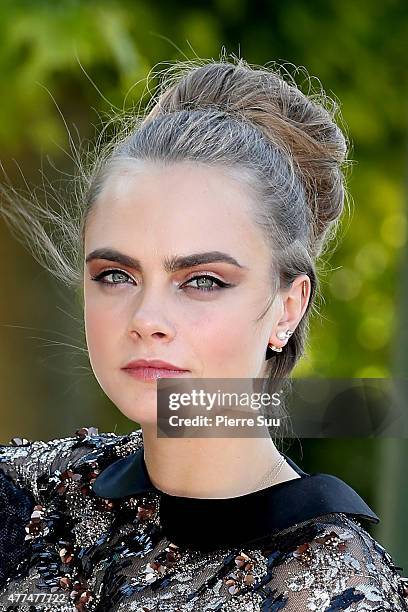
x: 254, y: 122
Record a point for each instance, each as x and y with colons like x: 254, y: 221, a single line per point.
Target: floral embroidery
x: 111, y: 555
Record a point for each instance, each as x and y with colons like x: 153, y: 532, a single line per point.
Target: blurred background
x: 72, y: 61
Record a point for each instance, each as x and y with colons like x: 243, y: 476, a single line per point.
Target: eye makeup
x: 219, y: 283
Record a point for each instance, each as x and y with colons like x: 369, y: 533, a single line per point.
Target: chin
x: 142, y: 416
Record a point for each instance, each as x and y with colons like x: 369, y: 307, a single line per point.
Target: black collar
x: 210, y: 523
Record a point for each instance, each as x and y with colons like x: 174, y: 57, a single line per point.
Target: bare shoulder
x: 332, y: 563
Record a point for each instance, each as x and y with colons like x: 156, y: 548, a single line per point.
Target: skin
x: 151, y: 212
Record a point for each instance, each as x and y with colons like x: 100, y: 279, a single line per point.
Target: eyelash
x: 220, y: 283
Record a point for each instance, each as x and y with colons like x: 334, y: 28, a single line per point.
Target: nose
x: 148, y: 322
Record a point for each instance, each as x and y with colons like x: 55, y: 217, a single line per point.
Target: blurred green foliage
x: 356, y: 49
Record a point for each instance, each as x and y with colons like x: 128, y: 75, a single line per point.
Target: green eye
x: 106, y: 273
x: 205, y: 282
x: 205, y: 287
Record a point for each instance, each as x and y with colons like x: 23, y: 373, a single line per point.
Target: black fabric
x: 16, y: 505
x: 209, y: 523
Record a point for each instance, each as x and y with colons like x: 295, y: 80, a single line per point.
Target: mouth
x: 148, y: 374
x: 152, y: 369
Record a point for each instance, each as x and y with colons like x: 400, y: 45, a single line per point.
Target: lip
x: 149, y: 370
x: 152, y: 363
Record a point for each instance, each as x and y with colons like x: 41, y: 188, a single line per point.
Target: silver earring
x: 271, y: 349
x: 277, y: 349
x: 284, y: 335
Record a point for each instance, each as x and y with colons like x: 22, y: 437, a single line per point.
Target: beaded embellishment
x: 79, y: 552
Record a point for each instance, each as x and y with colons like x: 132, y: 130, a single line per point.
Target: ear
x: 294, y: 303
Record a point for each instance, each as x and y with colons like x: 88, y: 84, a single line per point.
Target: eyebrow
x: 170, y: 264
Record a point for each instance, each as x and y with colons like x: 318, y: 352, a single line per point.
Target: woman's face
x: 155, y: 215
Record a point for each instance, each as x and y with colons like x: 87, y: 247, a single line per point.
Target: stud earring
x: 277, y: 349
x: 271, y: 349
x: 284, y: 335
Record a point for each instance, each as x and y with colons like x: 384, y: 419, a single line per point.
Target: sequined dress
x: 82, y: 528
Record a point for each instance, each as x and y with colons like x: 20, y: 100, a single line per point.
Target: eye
x: 98, y: 278
x: 205, y: 287
x: 202, y: 286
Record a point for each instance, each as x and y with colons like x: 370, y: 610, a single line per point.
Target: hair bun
x: 304, y: 127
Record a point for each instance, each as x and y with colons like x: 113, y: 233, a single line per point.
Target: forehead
x: 174, y: 207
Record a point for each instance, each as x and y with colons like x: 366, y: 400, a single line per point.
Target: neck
x: 211, y: 467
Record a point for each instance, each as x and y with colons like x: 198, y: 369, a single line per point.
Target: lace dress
x: 82, y: 528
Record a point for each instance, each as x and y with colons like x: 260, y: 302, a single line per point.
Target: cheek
x: 221, y: 337
x: 101, y: 328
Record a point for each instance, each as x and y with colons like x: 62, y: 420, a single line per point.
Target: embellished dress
x: 82, y: 528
